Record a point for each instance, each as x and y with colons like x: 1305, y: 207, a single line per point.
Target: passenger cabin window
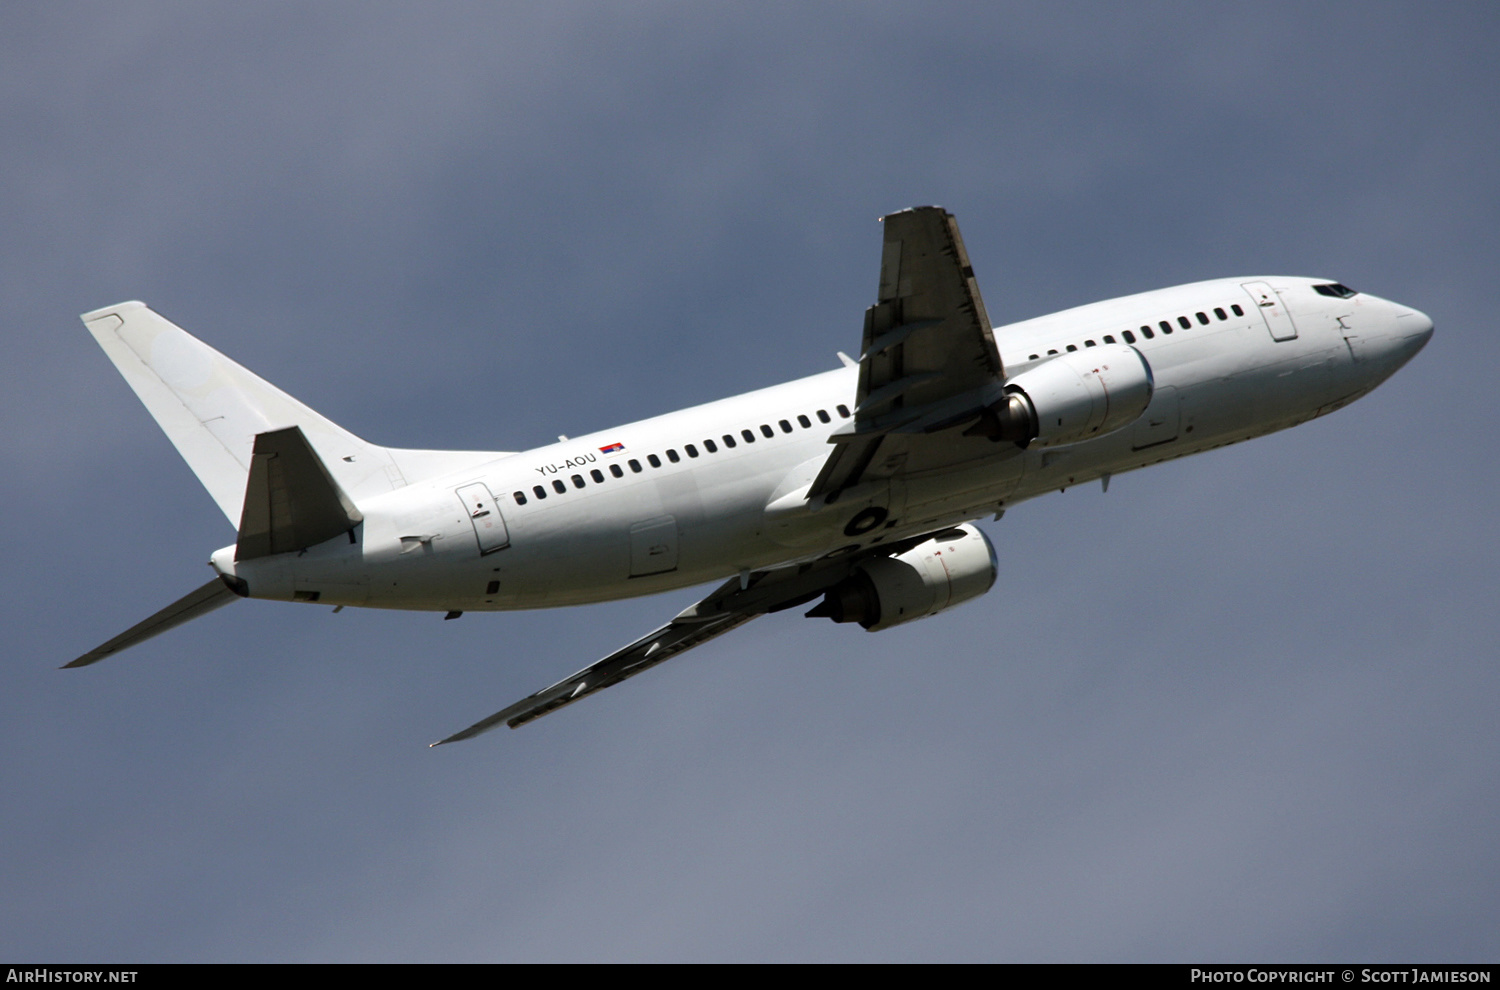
x: 672, y: 456
x: 804, y: 422
x: 822, y: 416
x: 1109, y: 339
x: 1033, y: 357
x: 844, y: 411
x: 1219, y: 312
x: 1203, y: 318
x: 747, y: 436
x: 1052, y: 351
x: 1184, y: 322
x: 1235, y: 309
x: 520, y: 497
x: 710, y: 446
x: 766, y: 431
x: 558, y: 486
x: 1165, y: 327
x: 691, y: 450
x: 616, y: 470
x: 539, y: 491
x: 1129, y: 337
x: 1089, y: 343
x: 597, y: 475
x: 635, y: 465
x: 578, y: 481
x: 728, y: 440
x: 1146, y: 331
x: 653, y: 460
x: 1072, y: 347
x: 785, y: 426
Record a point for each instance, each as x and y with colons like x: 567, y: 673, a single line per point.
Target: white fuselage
x: 675, y: 504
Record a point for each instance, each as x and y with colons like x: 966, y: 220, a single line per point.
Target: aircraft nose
x: 1411, y: 332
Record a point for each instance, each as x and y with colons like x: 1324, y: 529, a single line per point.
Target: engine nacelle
x: 955, y: 566
x: 1072, y: 397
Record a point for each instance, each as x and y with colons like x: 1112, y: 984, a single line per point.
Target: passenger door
x: 1272, y: 310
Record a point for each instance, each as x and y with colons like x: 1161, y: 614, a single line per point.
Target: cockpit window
x: 1335, y: 290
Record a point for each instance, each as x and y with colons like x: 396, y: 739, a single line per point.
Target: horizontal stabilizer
x: 214, y: 594
x: 291, y: 500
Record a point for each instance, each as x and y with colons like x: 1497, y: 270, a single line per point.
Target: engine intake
x: 1072, y: 397
x: 956, y: 565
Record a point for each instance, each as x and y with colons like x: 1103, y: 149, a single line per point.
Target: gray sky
x: 1243, y: 707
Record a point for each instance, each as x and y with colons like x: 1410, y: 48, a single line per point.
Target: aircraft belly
x: 1263, y: 398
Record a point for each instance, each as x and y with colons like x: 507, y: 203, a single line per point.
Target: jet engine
x: 954, y: 566
x: 1072, y: 397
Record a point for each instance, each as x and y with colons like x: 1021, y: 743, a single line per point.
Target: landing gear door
x: 489, y: 526
x: 1272, y: 310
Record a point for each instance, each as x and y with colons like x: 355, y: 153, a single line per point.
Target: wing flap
x: 846, y: 464
x: 928, y: 361
x: 929, y: 328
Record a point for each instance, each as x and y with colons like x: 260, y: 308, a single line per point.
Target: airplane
x: 856, y: 488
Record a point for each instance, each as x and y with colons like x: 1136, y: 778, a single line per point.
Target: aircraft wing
x: 929, y: 361
x: 645, y: 653
x: 730, y: 606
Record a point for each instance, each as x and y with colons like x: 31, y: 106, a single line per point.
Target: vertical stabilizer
x: 212, y: 408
